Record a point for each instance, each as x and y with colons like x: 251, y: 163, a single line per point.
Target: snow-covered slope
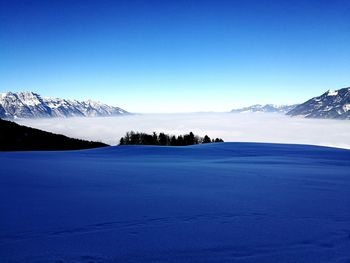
x: 331, y: 105
x: 32, y: 105
x: 265, y: 108
x: 229, y: 202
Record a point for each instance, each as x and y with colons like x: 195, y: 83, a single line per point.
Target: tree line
x: 140, y: 138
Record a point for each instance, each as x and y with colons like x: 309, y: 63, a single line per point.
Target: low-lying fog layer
x: 249, y: 127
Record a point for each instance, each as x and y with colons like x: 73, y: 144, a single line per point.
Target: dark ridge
x: 15, y: 137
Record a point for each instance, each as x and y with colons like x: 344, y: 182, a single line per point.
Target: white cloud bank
x: 254, y: 127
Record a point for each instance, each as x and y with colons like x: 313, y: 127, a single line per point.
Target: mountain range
x: 32, y: 105
x: 330, y: 105
x: 265, y: 108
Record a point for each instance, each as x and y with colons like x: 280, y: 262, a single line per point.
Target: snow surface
x: 346, y: 107
x: 249, y: 127
x: 332, y: 93
x: 223, y: 202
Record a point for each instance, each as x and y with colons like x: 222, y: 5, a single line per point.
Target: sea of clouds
x: 233, y: 127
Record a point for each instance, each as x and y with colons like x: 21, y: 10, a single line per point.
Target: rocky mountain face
x: 265, y: 108
x: 330, y: 105
x: 32, y: 105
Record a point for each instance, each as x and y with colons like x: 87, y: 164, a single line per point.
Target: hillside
x: 330, y: 105
x: 14, y: 137
x: 220, y: 202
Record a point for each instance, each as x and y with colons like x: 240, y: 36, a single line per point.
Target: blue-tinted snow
x: 227, y: 202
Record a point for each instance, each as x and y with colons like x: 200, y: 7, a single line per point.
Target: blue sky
x: 175, y: 56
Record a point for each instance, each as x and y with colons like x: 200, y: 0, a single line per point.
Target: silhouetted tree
x: 155, y: 139
x: 146, y: 139
x: 180, y: 140
x: 137, y: 138
x: 134, y: 138
x: 206, y: 139
x: 163, y: 139
x: 173, y: 141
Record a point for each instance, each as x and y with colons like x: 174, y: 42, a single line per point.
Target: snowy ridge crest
x: 265, y: 108
x: 32, y: 105
x: 333, y: 104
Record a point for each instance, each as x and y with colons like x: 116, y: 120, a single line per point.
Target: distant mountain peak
x: 333, y: 104
x: 28, y: 104
x: 264, y: 108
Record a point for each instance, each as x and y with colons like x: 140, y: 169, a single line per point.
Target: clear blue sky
x: 175, y: 56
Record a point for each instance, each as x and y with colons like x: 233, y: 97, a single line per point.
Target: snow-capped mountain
x: 32, y: 105
x: 265, y: 108
x: 330, y: 105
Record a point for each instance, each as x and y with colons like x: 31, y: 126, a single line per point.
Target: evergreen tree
x: 147, y: 139
x: 191, y: 138
x: 127, y: 138
x: 134, y: 138
x: 163, y: 139
x: 140, y: 138
x: 155, y: 140
x: 180, y: 140
x: 173, y: 141
x: 206, y: 139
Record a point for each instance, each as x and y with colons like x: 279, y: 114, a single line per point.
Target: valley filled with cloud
x: 232, y: 127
